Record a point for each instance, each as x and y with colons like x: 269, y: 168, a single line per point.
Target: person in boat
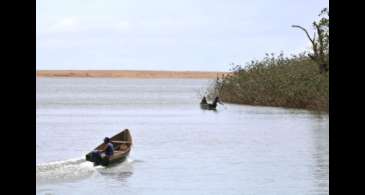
x: 216, y: 100
x: 204, y: 101
x: 108, y: 150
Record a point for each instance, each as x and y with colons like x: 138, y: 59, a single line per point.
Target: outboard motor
x: 94, y: 157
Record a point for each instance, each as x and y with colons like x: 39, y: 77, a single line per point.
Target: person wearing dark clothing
x: 109, y: 148
x: 204, y: 101
x: 106, y: 151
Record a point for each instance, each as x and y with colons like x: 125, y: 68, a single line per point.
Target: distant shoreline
x: 131, y: 74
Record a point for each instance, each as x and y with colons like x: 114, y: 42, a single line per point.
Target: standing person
x: 204, y: 101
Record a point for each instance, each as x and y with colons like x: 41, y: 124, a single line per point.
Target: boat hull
x: 105, y: 161
x: 208, y: 106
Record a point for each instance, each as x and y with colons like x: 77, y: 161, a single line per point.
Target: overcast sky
x: 168, y: 34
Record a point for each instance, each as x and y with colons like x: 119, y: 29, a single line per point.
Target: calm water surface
x: 178, y: 148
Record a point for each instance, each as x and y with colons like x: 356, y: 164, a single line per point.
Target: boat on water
x: 206, y: 106
x: 122, y: 143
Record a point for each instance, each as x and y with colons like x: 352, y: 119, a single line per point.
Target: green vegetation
x: 299, y: 81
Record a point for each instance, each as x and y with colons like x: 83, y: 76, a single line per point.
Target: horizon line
x: 131, y: 73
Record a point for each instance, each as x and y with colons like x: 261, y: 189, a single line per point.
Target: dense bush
x: 276, y: 81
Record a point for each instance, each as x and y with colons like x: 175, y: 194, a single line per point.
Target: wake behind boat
x: 122, y: 143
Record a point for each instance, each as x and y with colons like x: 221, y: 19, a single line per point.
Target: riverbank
x: 276, y: 81
x: 130, y: 74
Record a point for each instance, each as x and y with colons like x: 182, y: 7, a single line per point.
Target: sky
x: 196, y: 35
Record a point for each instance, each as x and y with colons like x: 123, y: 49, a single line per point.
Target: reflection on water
x: 119, y: 176
x: 178, y: 148
x: 119, y: 172
x: 320, y: 155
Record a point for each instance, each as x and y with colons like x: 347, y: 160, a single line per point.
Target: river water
x: 178, y: 148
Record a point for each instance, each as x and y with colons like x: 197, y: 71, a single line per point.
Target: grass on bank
x: 293, y: 82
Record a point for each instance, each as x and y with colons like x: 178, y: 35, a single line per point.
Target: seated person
x: 108, y: 149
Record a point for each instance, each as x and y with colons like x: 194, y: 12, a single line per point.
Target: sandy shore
x: 129, y: 74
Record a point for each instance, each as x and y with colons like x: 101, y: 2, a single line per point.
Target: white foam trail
x: 55, y: 164
x: 78, y: 168
x: 58, y: 171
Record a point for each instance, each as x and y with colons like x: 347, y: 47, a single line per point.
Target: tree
x: 320, y: 44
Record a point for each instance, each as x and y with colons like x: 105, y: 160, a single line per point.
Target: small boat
x: 206, y: 106
x: 122, y: 143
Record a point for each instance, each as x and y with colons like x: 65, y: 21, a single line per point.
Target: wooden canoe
x: 122, y: 143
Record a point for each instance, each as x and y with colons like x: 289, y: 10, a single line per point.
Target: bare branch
x: 306, y: 32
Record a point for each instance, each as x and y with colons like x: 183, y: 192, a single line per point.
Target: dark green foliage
x: 276, y: 81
